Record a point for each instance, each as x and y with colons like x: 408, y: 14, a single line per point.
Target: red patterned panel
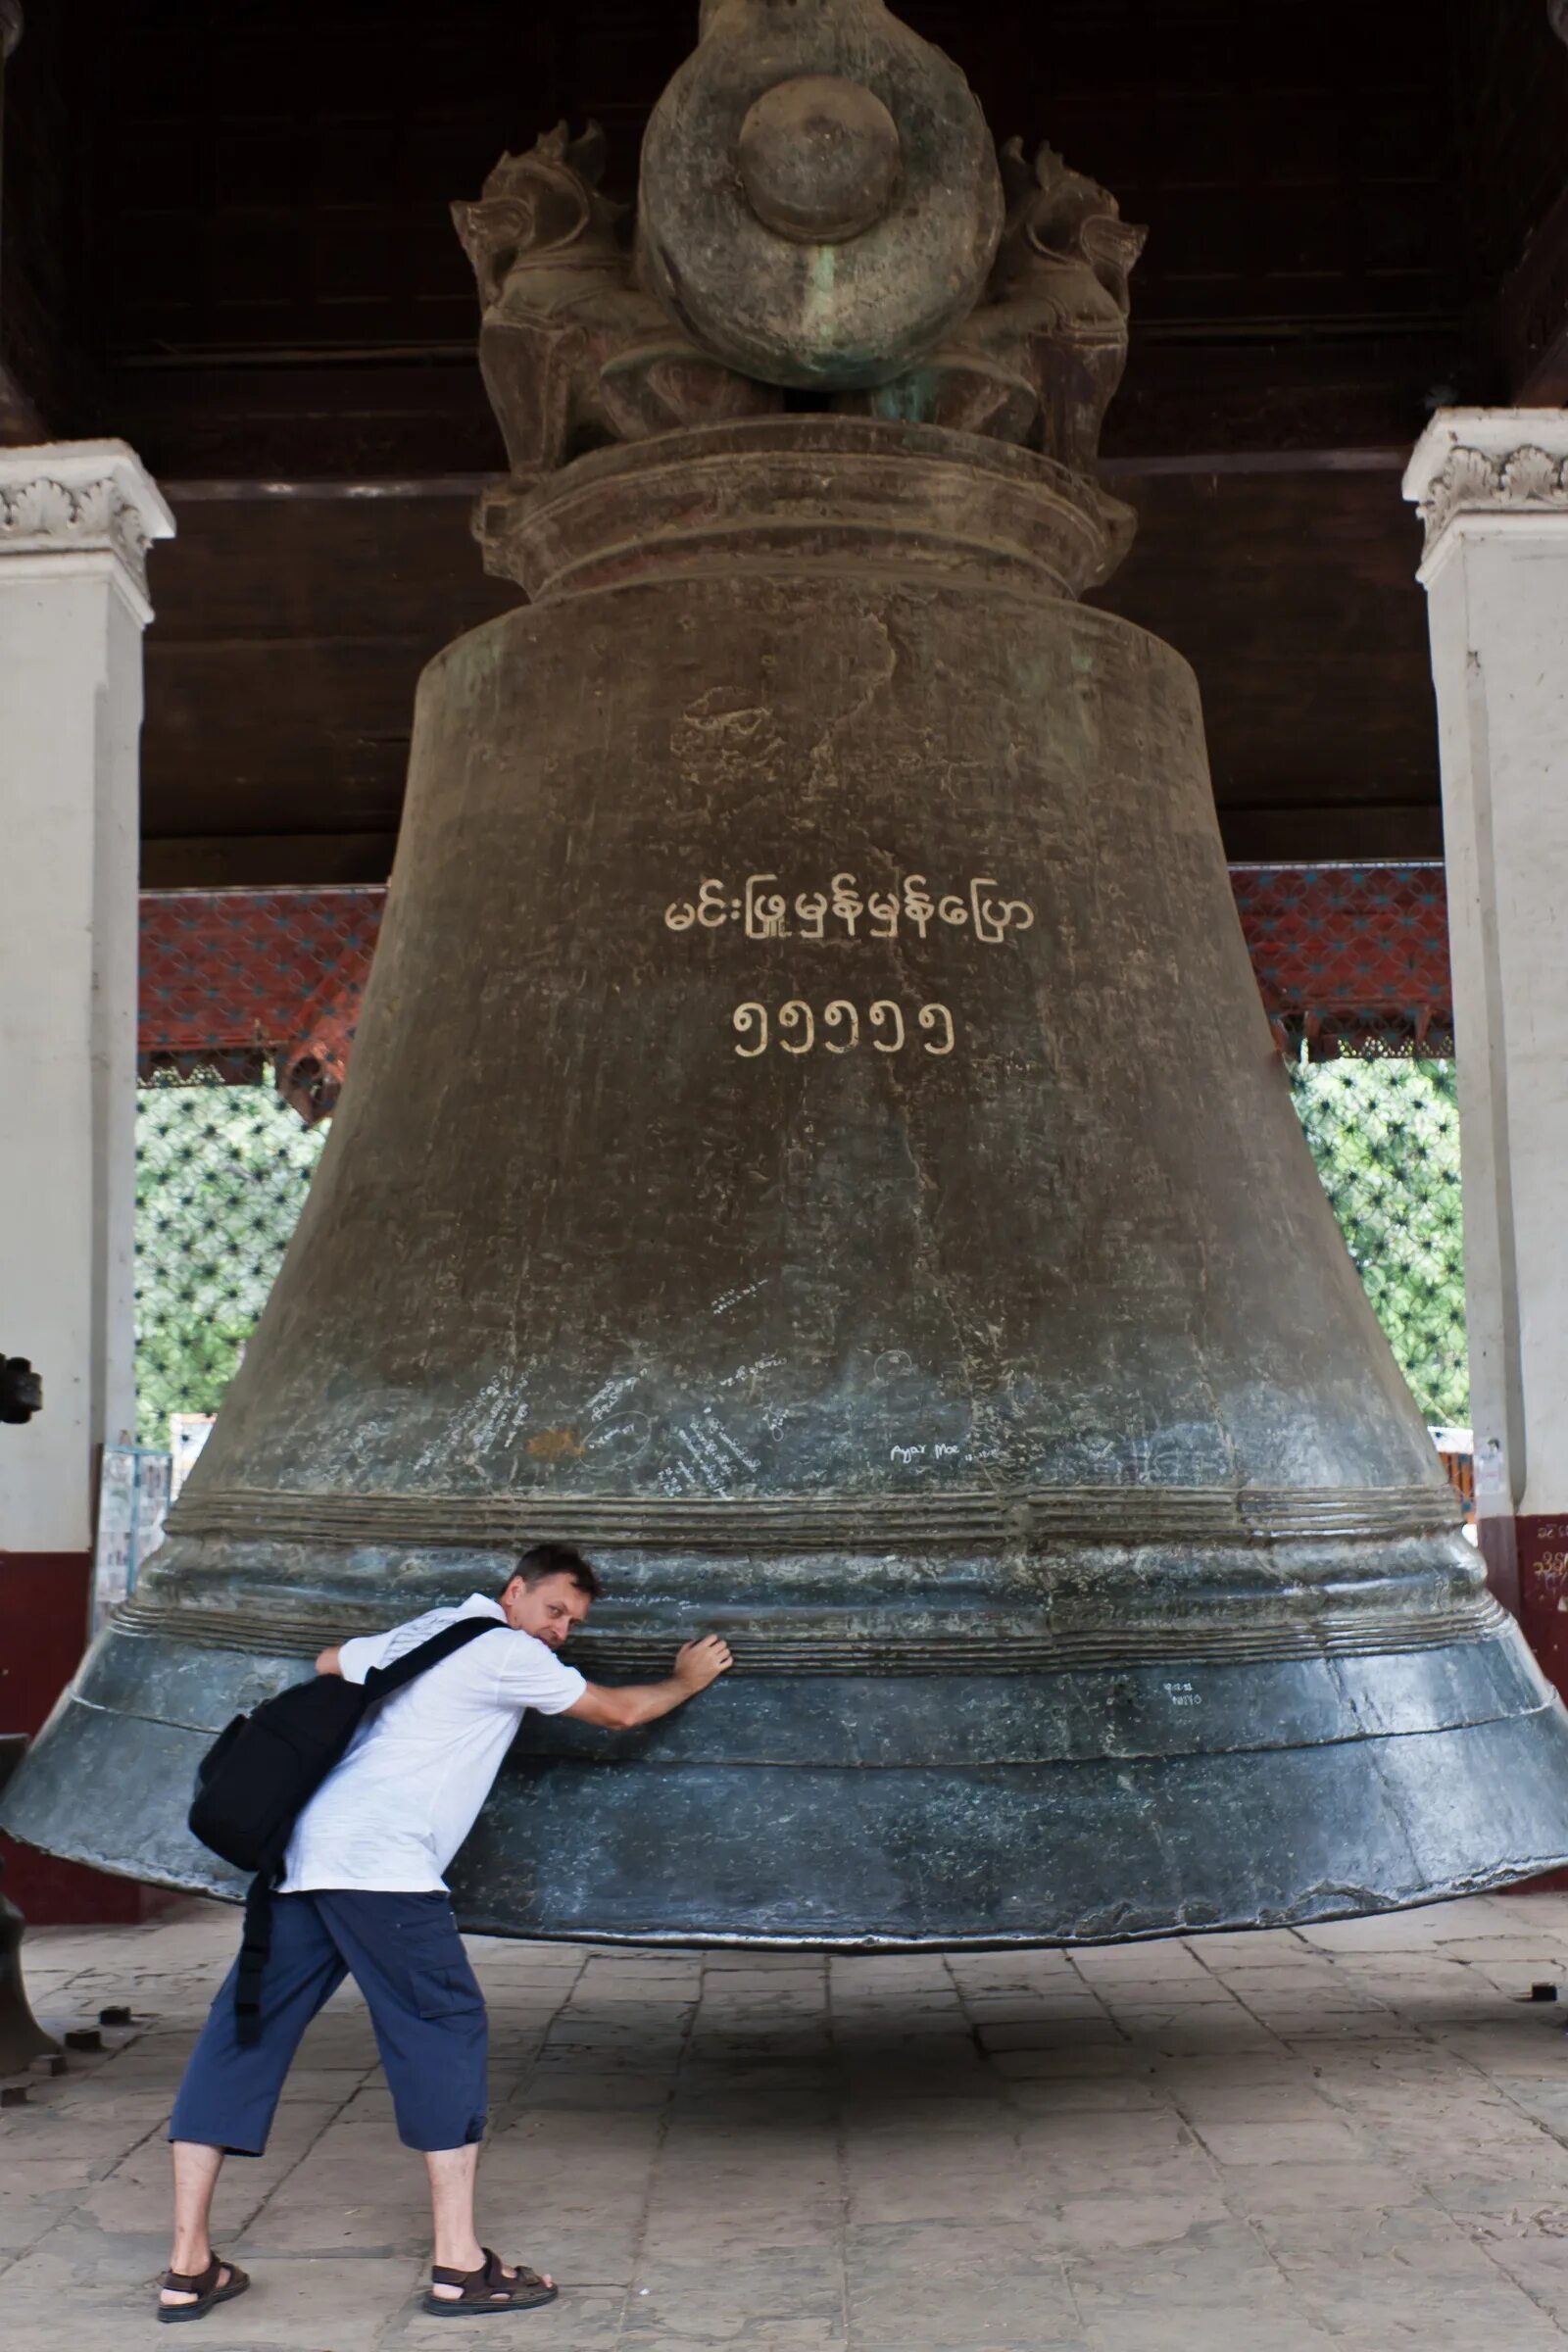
x: 1351, y: 958
x: 276, y: 973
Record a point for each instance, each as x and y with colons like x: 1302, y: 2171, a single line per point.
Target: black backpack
x: 259, y: 1775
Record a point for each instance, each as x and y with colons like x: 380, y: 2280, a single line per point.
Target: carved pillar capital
x: 82, y: 501
x: 1494, y: 469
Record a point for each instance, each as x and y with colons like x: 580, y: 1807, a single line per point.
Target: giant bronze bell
x: 813, y: 1138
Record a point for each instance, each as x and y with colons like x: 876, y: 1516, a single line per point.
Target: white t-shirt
x: 390, y: 1817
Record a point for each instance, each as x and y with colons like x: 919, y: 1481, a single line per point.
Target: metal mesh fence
x: 249, y: 1002
x: 1385, y: 1134
x: 221, y: 1174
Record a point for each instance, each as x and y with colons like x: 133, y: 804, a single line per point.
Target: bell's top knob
x: 820, y: 201
x: 819, y: 158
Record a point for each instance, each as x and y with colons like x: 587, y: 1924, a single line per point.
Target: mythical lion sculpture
x: 575, y: 352
x: 1038, y: 360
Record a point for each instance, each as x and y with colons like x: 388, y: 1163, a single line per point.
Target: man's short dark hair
x: 557, y: 1560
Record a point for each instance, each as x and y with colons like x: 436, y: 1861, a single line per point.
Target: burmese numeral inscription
x: 765, y: 908
x: 797, y: 1028
x: 841, y: 912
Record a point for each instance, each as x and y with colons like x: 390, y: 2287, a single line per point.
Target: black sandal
x: 204, y: 2287
x: 487, y: 2288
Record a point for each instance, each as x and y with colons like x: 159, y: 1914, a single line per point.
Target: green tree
x: 221, y: 1174
x: 1386, y: 1139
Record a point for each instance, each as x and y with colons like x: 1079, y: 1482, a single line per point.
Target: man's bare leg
x: 196, y: 2171
x: 453, y: 2173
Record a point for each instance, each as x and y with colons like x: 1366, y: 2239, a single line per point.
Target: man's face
x: 548, y: 1609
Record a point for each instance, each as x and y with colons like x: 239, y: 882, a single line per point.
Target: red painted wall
x: 1541, y: 1550
x: 1527, y: 1568
x: 43, y: 1631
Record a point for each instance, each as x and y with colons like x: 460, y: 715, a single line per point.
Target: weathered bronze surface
x: 777, y: 219
x: 819, y: 158
x: 814, y: 1140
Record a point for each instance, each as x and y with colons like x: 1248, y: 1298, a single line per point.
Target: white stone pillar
x: 75, y: 518
x: 1492, y: 485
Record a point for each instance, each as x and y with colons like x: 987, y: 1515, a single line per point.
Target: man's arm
x: 330, y: 1661
x: 698, y: 1664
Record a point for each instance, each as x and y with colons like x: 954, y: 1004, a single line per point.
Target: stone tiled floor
x: 1352, y: 2136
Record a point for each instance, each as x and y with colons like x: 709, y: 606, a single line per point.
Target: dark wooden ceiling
x: 232, y: 248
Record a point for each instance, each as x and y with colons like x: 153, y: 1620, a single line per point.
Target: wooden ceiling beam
x: 1303, y: 833
x: 1534, y: 312
x: 293, y: 622
x: 267, y: 861
x: 338, y: 420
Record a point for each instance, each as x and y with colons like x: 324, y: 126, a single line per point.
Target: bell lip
x: 475, y: 1921
x: 472, y: 1921
x: 208, y: 1878
x: 752, y: 1822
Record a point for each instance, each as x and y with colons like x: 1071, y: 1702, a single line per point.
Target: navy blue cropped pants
x: 406, y: 1956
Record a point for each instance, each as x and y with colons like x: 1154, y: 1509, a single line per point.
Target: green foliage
x: 221, y: 1174
x: 1386, y: 1139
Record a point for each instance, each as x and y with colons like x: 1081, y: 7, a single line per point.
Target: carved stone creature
x: 1039, y: 360
x: 578, y: 354
x: 573, y: 352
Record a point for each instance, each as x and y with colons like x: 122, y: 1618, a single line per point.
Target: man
x: 363, y: 1894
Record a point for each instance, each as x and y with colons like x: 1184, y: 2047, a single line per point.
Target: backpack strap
x: 382, y: 1681
x: 257, y: 1941
x: 254, y: 1945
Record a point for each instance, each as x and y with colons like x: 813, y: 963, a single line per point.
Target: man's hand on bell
x: 703, y: 1662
